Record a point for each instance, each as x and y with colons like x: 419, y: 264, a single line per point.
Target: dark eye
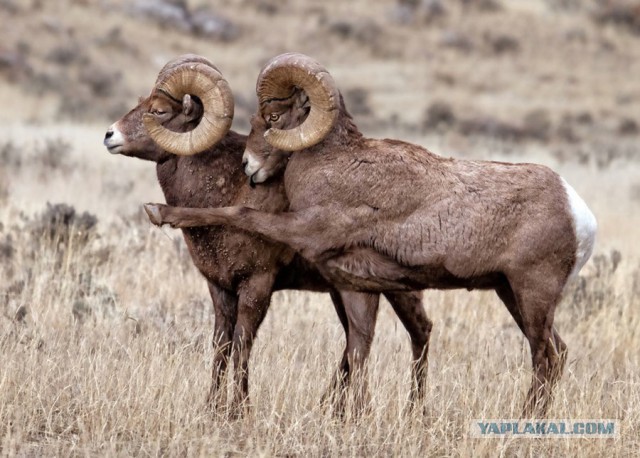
x: 273, y: 117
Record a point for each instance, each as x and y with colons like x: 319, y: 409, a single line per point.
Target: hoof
x: 153, y: 212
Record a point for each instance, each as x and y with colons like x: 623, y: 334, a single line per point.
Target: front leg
x: 254, y: 296
x: 312, y: 231
x: 225, y: 308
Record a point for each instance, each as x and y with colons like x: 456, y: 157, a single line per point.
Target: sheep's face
x: 261, y: 160
x: 128, y: 136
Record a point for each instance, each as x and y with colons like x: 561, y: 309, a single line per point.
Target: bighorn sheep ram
x: 385, y: 215
x: 189, y: 111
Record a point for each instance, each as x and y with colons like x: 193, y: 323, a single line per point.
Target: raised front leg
x: 254, y: 296
x: 312, y: 231
x: 225, y: 308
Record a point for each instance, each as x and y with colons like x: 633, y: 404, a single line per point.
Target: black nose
x: 244, y: 162
x: 109, y: 133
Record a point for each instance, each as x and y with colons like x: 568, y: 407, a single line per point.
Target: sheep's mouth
x: 252, y: 182
x: 114, y: 149
x: 114, y: 140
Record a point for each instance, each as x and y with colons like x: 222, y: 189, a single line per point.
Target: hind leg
x: 508, y: 298
x: 361, y: 311
x: 338, y: 382
x: 548, y: 364
x: 537, y: 293
x: 557, y: 352
x: 410, y: 311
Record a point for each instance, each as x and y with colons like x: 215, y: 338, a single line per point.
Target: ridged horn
x: 198, y: 77
x: 278, y: 79
x: 181, y: 60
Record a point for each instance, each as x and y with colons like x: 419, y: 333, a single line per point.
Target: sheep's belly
x: 364, y: 269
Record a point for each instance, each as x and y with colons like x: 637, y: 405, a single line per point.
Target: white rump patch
x: 585, y: 227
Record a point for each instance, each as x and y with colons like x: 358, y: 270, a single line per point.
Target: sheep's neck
x: 210, y: 179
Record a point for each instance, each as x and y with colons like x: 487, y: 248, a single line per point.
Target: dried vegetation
x: 105, y: 324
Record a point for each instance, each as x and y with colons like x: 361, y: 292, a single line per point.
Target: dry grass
x: 104, y: 332
x: 113, y: 355
x: 126, y: 373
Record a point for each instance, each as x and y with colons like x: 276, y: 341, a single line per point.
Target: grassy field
x: 105, y: 324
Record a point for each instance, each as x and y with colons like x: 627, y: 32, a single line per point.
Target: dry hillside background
x: 105, y: 324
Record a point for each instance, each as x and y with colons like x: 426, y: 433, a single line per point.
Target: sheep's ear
x: 303, y: 100
x: 302, y: 103
x: 188, y: 105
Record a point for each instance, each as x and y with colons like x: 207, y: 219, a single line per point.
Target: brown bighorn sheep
x: 385, y: 215
x: 190, y: 110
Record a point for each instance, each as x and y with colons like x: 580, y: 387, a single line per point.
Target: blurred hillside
x: 105, y: 324
x: 562, y: 73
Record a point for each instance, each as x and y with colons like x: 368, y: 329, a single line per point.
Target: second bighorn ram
x: 183, y: 126
x: 385, y: 215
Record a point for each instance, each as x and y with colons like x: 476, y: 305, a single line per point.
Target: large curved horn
x: 170, y: 66
x: 200, y: 78
x: 277, y: 80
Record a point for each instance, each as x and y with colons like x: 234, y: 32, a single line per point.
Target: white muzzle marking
x: 115, y: 142
x: 253, y: 164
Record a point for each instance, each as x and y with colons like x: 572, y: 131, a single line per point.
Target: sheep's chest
x: 211, y: 255
x: 206, y: 181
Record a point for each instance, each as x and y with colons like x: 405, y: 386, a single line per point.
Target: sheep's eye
x: 156, y: 111
x: 273, y: 117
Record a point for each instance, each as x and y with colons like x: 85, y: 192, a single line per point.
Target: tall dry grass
x: 104, y: 341
x: 104, y: 331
